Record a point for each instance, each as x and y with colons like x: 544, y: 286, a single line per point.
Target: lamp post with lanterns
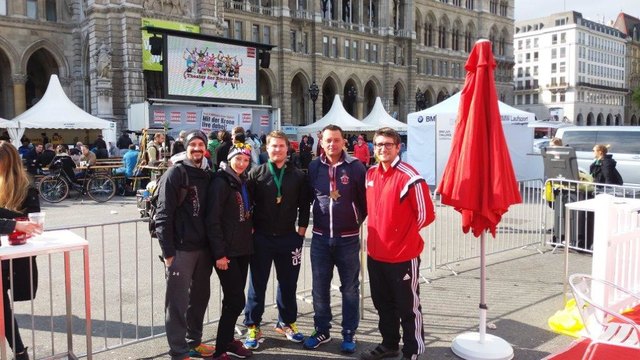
x: 314, y: 91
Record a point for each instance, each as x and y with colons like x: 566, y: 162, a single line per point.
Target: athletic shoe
x: 203, y: 350
x: 316, y: 339
x: 290, y: 331
x: 236, y: 349
x: 380, y: 352
x: 254, y: 337
x: 348, y: 343
x: 222, y: 356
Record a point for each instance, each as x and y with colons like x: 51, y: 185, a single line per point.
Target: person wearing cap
x: 361, y: 151
x: 181, y: 231
x: 280, y: 196
x: 230, y: 227
x: 339, y: 207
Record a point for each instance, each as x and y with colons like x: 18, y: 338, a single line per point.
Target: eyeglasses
x: 387, y: 146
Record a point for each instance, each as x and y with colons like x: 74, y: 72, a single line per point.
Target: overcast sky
x: 591, y: 9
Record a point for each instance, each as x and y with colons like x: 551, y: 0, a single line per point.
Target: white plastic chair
x: 604, y: 325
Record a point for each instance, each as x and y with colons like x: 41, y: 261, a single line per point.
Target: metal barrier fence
x: 559, y: 192
x: 128, y: 285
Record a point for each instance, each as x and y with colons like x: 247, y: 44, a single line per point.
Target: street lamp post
x: 314, y: 91
x: 420, y: 100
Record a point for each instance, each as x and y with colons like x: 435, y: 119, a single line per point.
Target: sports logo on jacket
x: 344, y: 179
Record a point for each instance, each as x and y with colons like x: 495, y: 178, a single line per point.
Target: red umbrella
x: 479, y: 182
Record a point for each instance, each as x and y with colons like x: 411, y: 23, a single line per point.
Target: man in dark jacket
x: 338, y: 184
x: 180, y: 227
x: 280, y: 195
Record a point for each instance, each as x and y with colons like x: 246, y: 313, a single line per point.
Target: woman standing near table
x: 22, y: 200
x: 603, y: 169
x: 230, y: 228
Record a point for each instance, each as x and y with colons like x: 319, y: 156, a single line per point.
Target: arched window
x: 442, y: 36
x: 469, y: 4
x: 428, y: 34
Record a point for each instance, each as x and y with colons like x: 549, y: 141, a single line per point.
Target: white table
x: 50, y: 242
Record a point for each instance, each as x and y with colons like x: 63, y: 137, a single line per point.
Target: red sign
x: 176, y: 117
x: 159, y: 117
x: 251, y: 52
x: 191, y: 117
x: 246, y: 118
x: 264, y: 120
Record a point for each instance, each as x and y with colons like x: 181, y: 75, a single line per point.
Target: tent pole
x: 483, y: 277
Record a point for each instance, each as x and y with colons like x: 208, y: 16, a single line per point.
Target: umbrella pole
x: 480, y: 345
x: 483, y: 278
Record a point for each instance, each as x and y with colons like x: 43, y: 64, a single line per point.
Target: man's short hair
x: 277, y: 134
x: 388, y: 132
x: 158, y: 136
x: 332, y: 127
x: 48, y: 146
x: 132, y: 146
x: 212, y: 135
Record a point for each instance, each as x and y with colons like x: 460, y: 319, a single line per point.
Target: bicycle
x: 55, y: 187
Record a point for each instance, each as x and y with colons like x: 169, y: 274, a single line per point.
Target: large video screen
x: 215, y: 71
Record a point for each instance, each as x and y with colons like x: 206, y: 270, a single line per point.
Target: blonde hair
x: 555, y: 141
x: 604, y: 149
x: 13, y: 178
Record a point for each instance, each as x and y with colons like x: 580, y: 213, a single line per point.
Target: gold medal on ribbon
x: 334, y: 194
x: 278, y: 199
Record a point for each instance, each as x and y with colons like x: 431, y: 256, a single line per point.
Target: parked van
x: 624, y: 144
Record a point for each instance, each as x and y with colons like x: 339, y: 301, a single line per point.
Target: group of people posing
x: 240, y: 222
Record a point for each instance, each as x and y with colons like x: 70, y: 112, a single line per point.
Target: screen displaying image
x: 206, y: 69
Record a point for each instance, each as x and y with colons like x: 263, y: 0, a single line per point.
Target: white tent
x: 430, y: 132
x: 378, y: 118
x: 337, y: 115
x: 56, y: 111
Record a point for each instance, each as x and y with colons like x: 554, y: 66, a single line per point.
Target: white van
x: 624, y: 144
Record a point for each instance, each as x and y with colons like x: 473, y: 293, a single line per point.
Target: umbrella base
x: 468, y: 346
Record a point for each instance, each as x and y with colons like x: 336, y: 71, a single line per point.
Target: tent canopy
x: 337, y: 115
x: 56, y: 111
x: 378, y: 118
x: 430, y: 132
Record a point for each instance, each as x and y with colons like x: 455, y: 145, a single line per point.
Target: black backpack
x: 153, y: 197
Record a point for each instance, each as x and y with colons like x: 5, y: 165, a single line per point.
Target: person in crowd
x: 238, y: 135
x: 180, y: 226
x: 45, y: 138
x: 361, y: 151
x: 152, y: 155
x: 399, y: 205
x: 280, y: 196
x: 102, y: 151
x: 129, y: 162
x: 57, y: 139
x: 76, y: 151
x: 88, y: 158
x: 603, y: 168
x: 178, y: 145
x: 230, y: 227
x: 47, y: 155
x: 339, y: 207
x: 63, y: 162
x: 306, y: 152
x: 253, y: 140
x: 25, y: 148
x: 31, y: 160
x: 123, y: 142
x: 113, y: 150
x: 555, y: 142
x: 319, y: 149
x: 223, y: 150
x: 264, y: 156
x: 212, y: 145
x: 22, y: 199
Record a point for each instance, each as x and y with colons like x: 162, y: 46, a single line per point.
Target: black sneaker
x: 380, y: 352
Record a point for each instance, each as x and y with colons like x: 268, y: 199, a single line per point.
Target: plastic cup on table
x: 37, y: 217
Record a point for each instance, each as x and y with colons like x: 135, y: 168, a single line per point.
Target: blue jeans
x: 343, y: 253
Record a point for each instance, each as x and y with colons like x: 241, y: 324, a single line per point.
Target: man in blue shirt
x: 129, y: 160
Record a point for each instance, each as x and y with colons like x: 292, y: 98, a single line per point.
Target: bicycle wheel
x: 101, y: 187
x: 53, y: 189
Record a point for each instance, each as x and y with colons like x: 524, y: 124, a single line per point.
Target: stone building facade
x: 630, y: 27
x: 411, y: 53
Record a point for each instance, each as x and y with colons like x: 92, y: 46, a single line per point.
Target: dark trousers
x: 186, y: 299
x: 285, y: 252
x: 10, y: 324
x: 232, y: 281
x: 395, y: 292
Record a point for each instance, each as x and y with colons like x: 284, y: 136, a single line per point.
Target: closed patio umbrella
x: 479, y: 182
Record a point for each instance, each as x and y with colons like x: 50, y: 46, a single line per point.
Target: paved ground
x: 524, y: 288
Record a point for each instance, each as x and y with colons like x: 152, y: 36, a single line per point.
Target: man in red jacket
x: 399, y: 205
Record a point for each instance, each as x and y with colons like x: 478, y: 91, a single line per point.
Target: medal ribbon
x: 332, y: 178
x: 277, y: 179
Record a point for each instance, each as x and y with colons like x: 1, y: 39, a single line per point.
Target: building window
x: 255, y: 33
x: 554, y: 68
x: 305, y: 42
x: 50, y: 10
x: 354, y: 50
x: 266, y: 34
x: 469, y: 4
x: 227, y: 29
x: 237, y: 31
x: 334, y: 47
x: 428, y: 35
x: 442, y: 36
x: 535, y: 56
x: 293, y: 41
x: 562, y: 67
x: 534, y: 100
x: 503, y: 8
x: 553, y: 98
x: 563, y: 38
x: 367, y: 52
x: 347, y: 49
x: 563, y: 52
x: 493, y: 6
x: 429, y: 66
x: 325, y: 46
x: 535, y: 71
x: 375, y: 53
x: 554, y: 39
x: 32, y: 9
x: 3, y: 7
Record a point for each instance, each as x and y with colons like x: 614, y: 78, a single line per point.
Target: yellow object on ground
x: 567, y: 321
